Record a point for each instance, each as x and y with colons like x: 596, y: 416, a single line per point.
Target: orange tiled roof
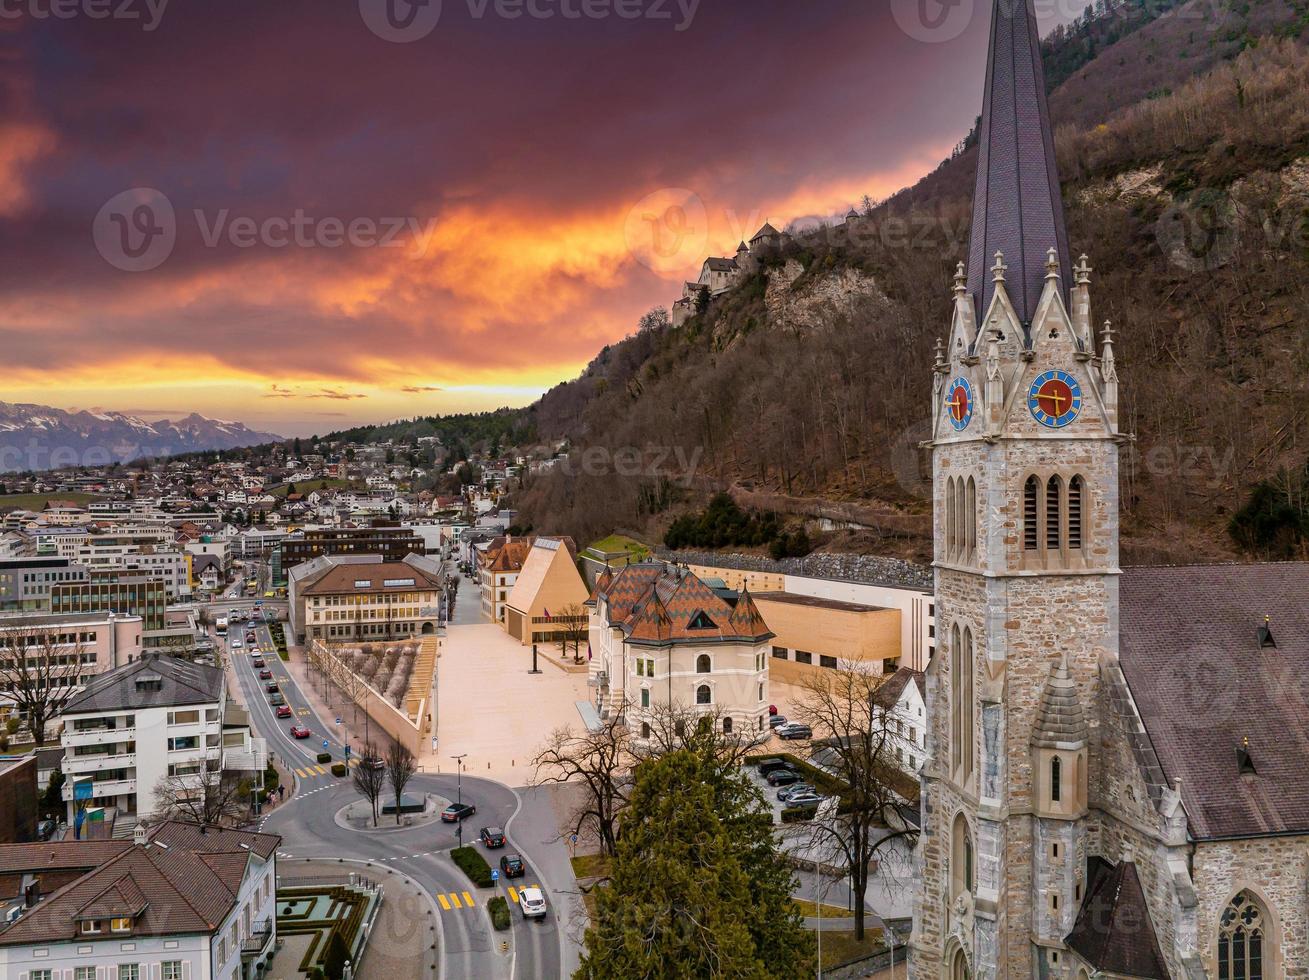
x: 657, y: 603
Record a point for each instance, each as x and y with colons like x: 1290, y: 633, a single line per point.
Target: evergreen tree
x: 697, y: 887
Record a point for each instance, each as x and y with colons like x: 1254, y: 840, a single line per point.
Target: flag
x: 588, y: 649
x: 547, y: 613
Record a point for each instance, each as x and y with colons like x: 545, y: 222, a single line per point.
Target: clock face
x: 1055, y: 399
x: 959, y: 403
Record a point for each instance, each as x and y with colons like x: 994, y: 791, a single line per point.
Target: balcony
x: 97, y: 736
x: 109, y: 787
x: 259, y: 940
x: 78, y: 764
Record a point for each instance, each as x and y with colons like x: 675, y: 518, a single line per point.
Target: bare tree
x: 400, y: 768
x: 210, y: 796
x: 854, y: 732
x: 599, y: 762
x: 38, y: 675
x: 680, y: 726
x: 575, y: 630
x: 370, y: 777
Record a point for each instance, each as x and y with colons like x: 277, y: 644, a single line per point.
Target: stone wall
x: 865, y: 569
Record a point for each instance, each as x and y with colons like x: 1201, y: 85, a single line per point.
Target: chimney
x: 140, y: 835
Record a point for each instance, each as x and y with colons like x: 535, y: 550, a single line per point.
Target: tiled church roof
x: 1113, y: 932
x: 657, y: 603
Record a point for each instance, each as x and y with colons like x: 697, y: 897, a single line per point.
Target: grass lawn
x: 808, y: 908
x: 841, y: 947
x: 35, y: 501
x: 317, y: 483
x: 590, y: 865
x: 621, y: 542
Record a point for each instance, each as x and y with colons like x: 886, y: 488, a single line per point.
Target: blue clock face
x: 959, y: 403
x: 1055, y: 399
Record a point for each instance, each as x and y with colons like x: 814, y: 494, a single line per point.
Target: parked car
x: 795, y: 789
x: 805, y: 799
x: 771, y: 765
x: 783, y: 777
x: 793, y: 730
x: 272, y: 688
x: 512, y: 866
x: 777, y: 721
x: 46, y: 829
x: 284, y: 711
x: 532, y: 902
x: 299, y: 731
x: 265, y: 675
x: 492, y: 837
x: 276, y: 700
x: 457, y: 811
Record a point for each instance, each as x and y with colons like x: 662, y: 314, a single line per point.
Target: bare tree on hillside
x: 38, y: 675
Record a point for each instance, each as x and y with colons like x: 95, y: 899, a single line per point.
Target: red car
x: 284, y: 711
x: 265, y: 675
x: 299, y: 731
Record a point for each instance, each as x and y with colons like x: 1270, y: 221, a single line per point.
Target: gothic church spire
x: 1017, y: 208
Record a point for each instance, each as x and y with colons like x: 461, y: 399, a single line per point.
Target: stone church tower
x: 1024, y: 447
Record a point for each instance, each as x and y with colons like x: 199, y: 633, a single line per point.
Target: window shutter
x: 186, y: 970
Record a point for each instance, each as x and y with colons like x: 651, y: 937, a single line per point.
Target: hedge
x: 474, y: 865
x: 823, y: 781
x: 338, y: 769
x: 798, y: 814
x: 499, y: 910
x: 324, y: 756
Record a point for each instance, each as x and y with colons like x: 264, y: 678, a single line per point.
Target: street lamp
x: 459, y: 793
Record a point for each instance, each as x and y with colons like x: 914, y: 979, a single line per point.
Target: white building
x: 177, y: 902
x: 157, y: 716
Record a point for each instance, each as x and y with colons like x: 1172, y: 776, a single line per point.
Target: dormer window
x: 1266, y: 641
x: 121, y: 924
x: 90, y: 927
x: 701, y: 621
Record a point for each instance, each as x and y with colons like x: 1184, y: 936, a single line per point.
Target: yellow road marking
x: 513, y: 895
x: 300, y: 773
x: 444, y: 904
x: 322, y: 771
x: 454, y: 900
x: 469, y: 899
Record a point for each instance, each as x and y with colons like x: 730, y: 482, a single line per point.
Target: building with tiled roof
x: 545, y: 603
x: 661, y: 637
x: 178, y: 901
x: 498, y: 565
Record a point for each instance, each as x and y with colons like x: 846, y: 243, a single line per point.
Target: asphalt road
x: 469, y: 946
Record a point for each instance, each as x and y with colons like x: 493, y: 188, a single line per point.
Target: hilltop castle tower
x: 1025, y: 443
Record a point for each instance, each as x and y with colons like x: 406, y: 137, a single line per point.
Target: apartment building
x: 661, y: 637
x: 154, y: 717
x: 389, y: 542
x: 176, y: 902
x: 133, y: 592
x: 380, y: 600
x: 84, y: 645
x: 498, y: 565
x: 25, y: 582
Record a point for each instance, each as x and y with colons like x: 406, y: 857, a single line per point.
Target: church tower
x: 1024, y: 446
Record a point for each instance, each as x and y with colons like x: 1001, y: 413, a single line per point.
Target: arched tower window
x: 1054, y: 491
x: 702, y: 664
x: 959, y: 966
x: 969, y: 720
x: 1242, y: 940
x: 956, y: 698
x: 970, y: 519
x: 961, y: 858
x: 1075, y: 514
x: 1031, y: 505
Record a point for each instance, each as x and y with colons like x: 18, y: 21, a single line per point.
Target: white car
x: 532, y: 902
x: 236, y: 643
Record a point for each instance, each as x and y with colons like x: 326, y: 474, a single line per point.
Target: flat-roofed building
x: 815, y: 634
x: 391, y: 543
x: 25, y: 582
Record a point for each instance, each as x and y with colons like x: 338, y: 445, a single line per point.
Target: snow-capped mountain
x: 37, y: 437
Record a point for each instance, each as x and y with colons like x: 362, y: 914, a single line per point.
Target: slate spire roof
x: 1061, y: 723
x: 1017, y: 207
x: 1114, y: 932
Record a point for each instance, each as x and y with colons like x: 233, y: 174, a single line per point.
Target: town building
x: 548, y: 595
x: 179, y: 901
x: 25, y: 582
x: 661, y: 639
x: 391, y: 543
x: 152, y: 718
x: 1115, y: 781
x: 814, y: 634
x: 132, y: 593
x: 497, y: 567
x: 363, y: 597
x: 18, y: 799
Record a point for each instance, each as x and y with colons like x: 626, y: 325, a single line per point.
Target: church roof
x: 1113, y: 931
x: 658, y: 604
x: 1189, y: 649
x: 1061, y: 721
x: 1017, y: 207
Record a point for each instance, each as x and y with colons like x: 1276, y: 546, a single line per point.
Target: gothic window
x: 961, y: 703
x: 959, y: 966
x: 702, y: 664
x: 1242, y: 934
x: 1053, y: 513
x: 961, y: 858
x: 956, y: 702
x: 1075, y: 514
x: 950, y: 518
x: 970, y: 518
x: 1031, y: 493
x: 1056, y: 773
x: 703, y: 695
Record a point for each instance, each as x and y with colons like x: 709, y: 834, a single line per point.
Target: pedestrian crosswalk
x: 513, y: 892
x: 451, y: 901
x: 308, y: 772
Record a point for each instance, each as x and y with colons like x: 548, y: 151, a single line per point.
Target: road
x: 307, y: 824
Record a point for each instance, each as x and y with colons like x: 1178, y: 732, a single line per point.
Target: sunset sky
x: 352, y: 222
